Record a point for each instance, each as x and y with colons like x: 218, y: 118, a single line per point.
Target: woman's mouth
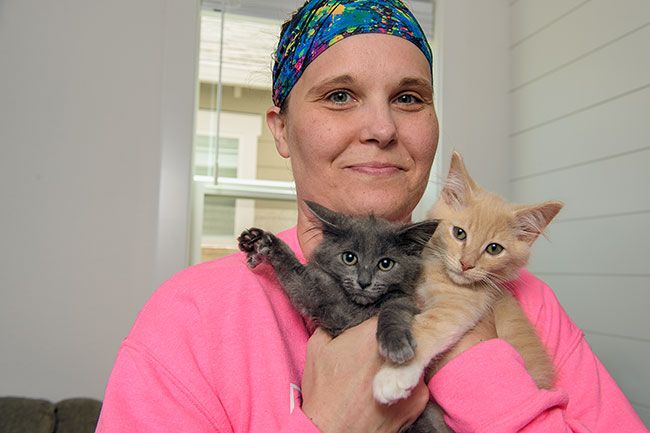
x: 375, y: 168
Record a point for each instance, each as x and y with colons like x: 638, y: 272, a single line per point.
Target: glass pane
x: 249, y: 43
x: 220, y: 221
x: 204, y: 150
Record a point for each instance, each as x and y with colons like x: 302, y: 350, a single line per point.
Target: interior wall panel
x: 591, y: 27
x: 615, y: 70
x: 618, y: 127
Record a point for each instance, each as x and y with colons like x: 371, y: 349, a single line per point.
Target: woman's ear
x: 276, y: 122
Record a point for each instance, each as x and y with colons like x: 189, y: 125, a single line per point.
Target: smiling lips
x: 375, y: 168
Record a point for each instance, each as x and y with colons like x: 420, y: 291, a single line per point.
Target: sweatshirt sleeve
x: 143, y: 396
x: 298, y: 422
x: 488, y: 389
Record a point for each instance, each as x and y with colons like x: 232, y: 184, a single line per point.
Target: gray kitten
x: 364, y: 266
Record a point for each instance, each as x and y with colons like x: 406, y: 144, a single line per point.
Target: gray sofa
x: 28, y: 415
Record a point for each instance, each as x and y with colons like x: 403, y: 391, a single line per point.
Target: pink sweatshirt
x: 219, y: 348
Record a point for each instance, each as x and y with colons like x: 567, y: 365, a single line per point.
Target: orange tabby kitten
x: 481, y: 243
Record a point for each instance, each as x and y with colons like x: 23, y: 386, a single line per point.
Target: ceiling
x: 281, y: 9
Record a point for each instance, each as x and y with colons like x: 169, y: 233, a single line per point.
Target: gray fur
x: 338, y: 296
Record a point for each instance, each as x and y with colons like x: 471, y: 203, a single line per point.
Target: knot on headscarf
x: 319, y: 24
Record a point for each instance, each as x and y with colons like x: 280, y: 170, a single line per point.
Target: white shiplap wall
x: 580, y: 132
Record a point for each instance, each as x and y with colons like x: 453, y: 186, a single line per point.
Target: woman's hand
x: 337, y: 385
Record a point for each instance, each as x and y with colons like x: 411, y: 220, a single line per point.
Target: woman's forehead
x: 365, y: 57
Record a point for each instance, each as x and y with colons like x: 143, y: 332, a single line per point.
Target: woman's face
x: 360, y: 127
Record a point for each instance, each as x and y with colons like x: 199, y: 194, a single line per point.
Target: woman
x: 220, y: 348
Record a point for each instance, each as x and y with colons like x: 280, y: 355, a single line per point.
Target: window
x: 253, y: 184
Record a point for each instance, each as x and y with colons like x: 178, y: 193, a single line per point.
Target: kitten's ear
x: 330, y: 220
x: 459, y: 184
x: 531, y: 220
x: 415, y: 236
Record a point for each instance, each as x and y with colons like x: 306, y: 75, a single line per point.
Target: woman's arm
x: 144, y: 396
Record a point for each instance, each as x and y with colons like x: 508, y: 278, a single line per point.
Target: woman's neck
x: 309, y: 234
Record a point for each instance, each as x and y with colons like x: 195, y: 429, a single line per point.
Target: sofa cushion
x: 77, y: 415
x: 26, y: 415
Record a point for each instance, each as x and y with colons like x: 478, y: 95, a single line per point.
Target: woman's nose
x: 379, y: 127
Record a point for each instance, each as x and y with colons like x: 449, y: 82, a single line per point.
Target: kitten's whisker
x: 435, y: 250
x: 438, y: 180
x: 497, y: 282
x: 496, y: 278
x: 495, y: 275
x: 489, y: 284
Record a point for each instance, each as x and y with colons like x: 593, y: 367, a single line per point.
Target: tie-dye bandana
x: 322, y: 23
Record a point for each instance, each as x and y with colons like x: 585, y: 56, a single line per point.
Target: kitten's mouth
x: 362, y: 298
x: 459, y: 277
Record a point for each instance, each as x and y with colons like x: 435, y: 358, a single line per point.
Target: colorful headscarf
x: 322, y: 23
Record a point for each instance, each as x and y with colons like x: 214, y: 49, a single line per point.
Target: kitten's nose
x: 364, y: 277
x: 363, y: 283
x: 466, y: 266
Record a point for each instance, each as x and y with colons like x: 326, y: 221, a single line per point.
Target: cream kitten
x: 481, y: 243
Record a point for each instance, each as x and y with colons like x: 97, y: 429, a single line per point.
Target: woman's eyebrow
x: 340, y: 80
x: 425, y: 85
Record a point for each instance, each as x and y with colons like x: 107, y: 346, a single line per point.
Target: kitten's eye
x: 494, y: 249
x: 386, y: 264
x: 459, y: 233
x: 349, y: 258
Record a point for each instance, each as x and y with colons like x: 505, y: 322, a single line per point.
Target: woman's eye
x: 408, y: 99
x: 494, y: 249
x: 339, y: 97
x: 459, y: 233
x: 349, y: 258
x: 386, y: 264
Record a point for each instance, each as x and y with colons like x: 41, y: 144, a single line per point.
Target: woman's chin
x: 388, y: 197
x: 381, y: 203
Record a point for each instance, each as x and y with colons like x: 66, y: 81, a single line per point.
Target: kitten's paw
x: 256, y: 244
x: 247, y: 239
x: 398, y: 347
x: 394, y: 383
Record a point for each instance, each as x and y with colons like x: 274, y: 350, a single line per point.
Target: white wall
x: 82, y: 137
x: 473, y: 70
x: 580, y: 96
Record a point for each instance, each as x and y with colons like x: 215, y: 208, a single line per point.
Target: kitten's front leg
x: 435, y: 330
x: 256, y: 243
x: 260, y: 245
x: 396, y: 342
